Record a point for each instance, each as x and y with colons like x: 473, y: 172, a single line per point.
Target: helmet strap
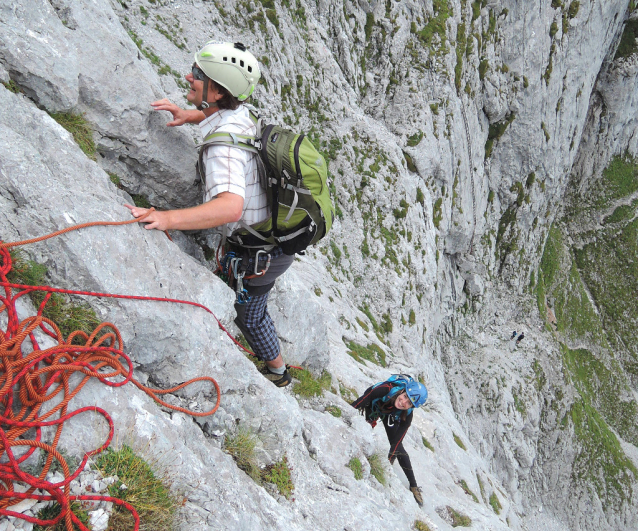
x: 204, y: 104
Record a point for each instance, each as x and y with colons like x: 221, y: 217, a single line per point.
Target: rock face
x: 461, y: 137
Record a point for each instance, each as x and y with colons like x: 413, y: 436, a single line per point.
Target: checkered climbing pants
x: 253, y: 318
x: 261, y: 329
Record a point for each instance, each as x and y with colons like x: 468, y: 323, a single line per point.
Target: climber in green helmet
x: 393, y: 402
x: 222, y: 77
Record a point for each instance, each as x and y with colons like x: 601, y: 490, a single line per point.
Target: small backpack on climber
x: 295, y: 176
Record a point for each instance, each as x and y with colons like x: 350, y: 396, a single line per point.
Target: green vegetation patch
x: 356, y: 467
x: 241, y: 446
x: 467, y: 490
x: 459, y: 442
x: 619, y: 180
x: 419, y: 525
x: 308, y: 385
x: 628, y: 45
x: 415, y: 139
x: 609, y: 267
x: 437, y: 212
x: 495, y: 503
x: 600, y: 380
x: 496, y: 131
x: 410, y: 162
x: 458, y: 519
x: 622, y: 213
x: 436, y: 25
x: 52, y: 511
x: 68, y: 316
x: 372, y: 352
x: 604, y: 387
x: 80, y: 129
x: 146, y: 490
x: 427, y: 444
x: 402, y: 212
x: 601, y: 461
x: 559, y: 280
x: 335, y: 411
x: 141, y: 201
x: 279, y: 475
x: 507, y: 236
x: 377, y: 467
x: 13, y: 87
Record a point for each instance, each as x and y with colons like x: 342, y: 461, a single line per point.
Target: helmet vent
x: 250, y: 68
x: 241, y: 63
x: 225, y: 58
x: 233, y: 60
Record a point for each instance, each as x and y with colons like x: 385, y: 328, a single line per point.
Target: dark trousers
x: 253, y: 318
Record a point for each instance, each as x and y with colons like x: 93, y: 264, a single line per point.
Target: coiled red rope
x: 31, y: 376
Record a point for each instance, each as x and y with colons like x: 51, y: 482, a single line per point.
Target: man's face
x: 197, y: 87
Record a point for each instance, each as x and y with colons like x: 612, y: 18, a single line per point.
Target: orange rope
x: 6, y: 245
x: 30, y: 376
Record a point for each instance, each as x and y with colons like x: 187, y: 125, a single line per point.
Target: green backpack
x: 295, y: 175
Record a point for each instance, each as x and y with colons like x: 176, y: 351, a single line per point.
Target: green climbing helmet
x: 230, y: 66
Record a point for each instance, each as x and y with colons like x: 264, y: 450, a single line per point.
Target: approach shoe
x: 280, y: 380
x: 416, y: 491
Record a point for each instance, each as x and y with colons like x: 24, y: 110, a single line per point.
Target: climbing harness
x: 34, y: 376
x: 235, y: 264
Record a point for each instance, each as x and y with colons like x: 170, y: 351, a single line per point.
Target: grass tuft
x: 421, y: 526
x: 372, y: 352
x: 467, y: 490
x: 241, y: 446
x: 115, y: 179
x: 279, y: 475
x: 459, y: 442
x: 141, y: 201
x: 496, y: 505
x: 628, y: 46
x: 52, y: 511
x: 458, y: 519
x: 149, y: 492
x: 427, y: 444
x: 80, y: 129
x: 12, y: 86
x: 308, y: 385
x: 356, y: 467
x: 67, y: 316
x: 376, y: 467
x: 334, y: 411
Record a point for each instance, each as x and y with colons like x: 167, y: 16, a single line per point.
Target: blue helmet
x: 417, y: 393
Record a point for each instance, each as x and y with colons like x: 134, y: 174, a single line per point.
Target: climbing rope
x: 30, y: 376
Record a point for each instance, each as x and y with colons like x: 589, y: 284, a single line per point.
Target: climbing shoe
x: 416, y: 491
x: 280, y: 380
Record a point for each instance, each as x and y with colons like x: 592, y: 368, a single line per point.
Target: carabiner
x: 257, y: 273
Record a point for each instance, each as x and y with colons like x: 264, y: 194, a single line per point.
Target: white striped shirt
x: 234, y: 170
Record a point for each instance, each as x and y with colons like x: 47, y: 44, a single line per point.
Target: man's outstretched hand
x: 180, y: 116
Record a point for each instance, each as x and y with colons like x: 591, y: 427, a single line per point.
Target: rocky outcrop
x: 452, y: 129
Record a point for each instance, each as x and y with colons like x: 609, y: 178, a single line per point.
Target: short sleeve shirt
x: 234, y: 170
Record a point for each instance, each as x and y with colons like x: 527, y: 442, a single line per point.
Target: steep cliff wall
x: 456, y: 132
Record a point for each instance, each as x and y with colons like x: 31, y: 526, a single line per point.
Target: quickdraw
x: 233, y: 269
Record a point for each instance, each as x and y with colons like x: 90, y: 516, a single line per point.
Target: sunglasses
x: 198, y: 73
